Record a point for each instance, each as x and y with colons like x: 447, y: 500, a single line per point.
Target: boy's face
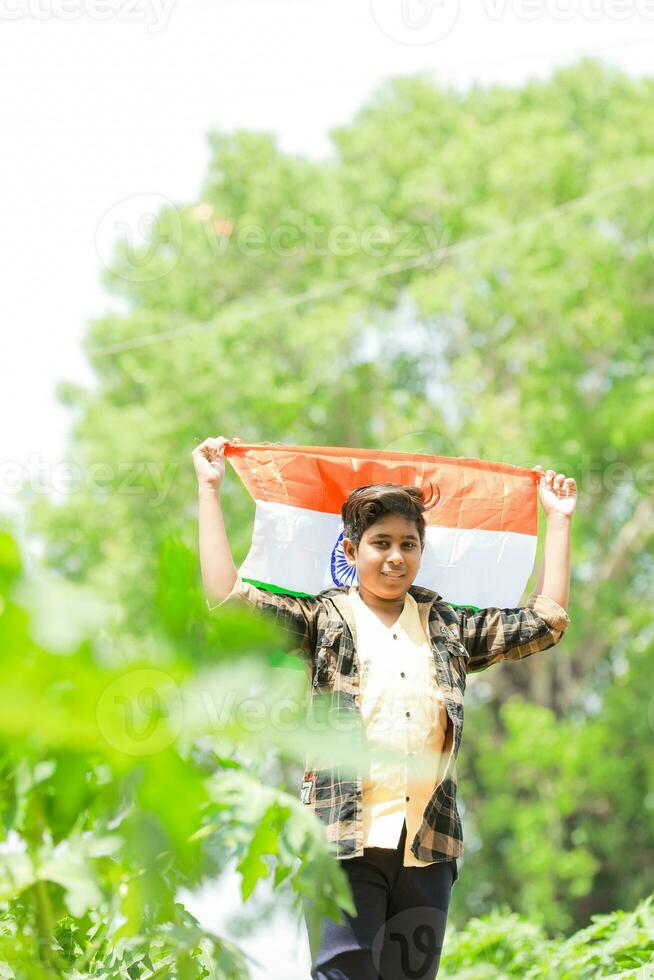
x: 388, y: 557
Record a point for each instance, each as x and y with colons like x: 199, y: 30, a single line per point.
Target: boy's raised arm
x: 220, y: 578
x: 490, y: 635
x: 219, y: 574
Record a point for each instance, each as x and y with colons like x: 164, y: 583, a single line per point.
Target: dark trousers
x: 398, y: 931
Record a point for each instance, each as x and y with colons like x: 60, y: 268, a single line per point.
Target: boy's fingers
x: 202, y: 448
x: 211, y: 447
x: 211, y: 441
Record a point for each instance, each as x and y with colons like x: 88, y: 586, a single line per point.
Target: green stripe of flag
x: 308, y: 595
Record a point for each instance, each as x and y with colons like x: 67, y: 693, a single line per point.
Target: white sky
x: 96, y: 111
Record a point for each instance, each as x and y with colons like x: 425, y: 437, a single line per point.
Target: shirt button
x: 407, y: 799
x: 408, y: 714
x: 402, y: 674
x: 395, y: 636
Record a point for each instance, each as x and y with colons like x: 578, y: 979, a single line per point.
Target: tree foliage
x: 122, y: 784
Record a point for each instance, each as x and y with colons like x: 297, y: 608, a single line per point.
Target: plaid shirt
x: 463, y: 640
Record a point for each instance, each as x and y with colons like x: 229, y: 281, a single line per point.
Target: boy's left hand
x: 557, y: 494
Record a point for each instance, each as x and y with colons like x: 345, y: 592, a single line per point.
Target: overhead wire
x: 341, y: 285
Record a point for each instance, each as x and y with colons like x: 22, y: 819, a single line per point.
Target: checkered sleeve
x: 296, y: 615
x: 492, y: 634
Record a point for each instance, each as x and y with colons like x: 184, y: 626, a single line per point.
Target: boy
x: 396, y: 656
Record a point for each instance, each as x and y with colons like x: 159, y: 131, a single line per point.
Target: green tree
x: 118, y: 787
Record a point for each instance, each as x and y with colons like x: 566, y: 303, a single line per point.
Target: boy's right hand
x: 209, y: 461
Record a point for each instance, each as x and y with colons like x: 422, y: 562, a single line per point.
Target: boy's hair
x: 365, y: 505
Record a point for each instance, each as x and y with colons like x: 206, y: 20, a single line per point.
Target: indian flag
x: 480, y: 540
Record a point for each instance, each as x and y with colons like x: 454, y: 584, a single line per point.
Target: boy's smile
x: 387, y: 559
